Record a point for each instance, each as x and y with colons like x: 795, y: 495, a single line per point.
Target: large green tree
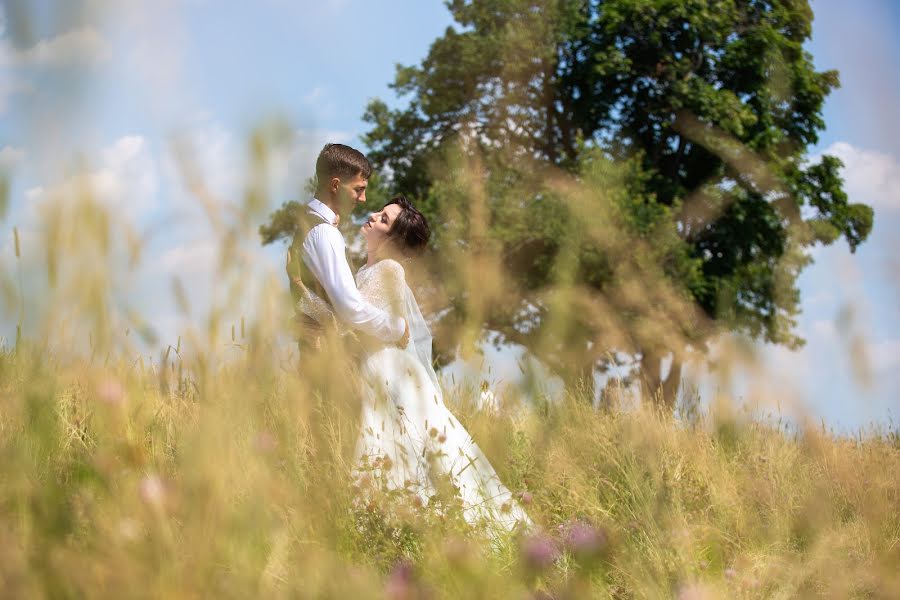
x: 637, y: 172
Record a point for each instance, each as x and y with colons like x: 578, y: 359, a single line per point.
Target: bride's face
x: 376, y: 229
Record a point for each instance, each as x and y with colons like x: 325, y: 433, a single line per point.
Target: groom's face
x: 351, y: 191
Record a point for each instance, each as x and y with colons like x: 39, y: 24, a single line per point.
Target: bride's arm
x: 393, y: 279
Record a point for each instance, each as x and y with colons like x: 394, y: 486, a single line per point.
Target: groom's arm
x: 325, y: 254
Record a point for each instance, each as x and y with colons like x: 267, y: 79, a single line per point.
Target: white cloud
x: 824, y: 330
x: 152, y: 40
x: 207, y: 154
x: 314, y: 139
x: 884, y: 355
x: 126, y: 180
x: 788, y: 365
x: 78, y: 47
x: 122, y: 151
x: 190, y: 260
x: 870, y: 177
x: 294, y: 164
x: 11, y: 157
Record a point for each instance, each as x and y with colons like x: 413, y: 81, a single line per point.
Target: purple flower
x: 400, y: 584
x: 457, y: 550
x: 539, y: 552
x: 584, y: 540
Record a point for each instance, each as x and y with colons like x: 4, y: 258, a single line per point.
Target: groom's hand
x: 292, y: 266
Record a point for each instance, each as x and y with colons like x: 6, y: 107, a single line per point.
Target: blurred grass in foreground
x: 130, y: 482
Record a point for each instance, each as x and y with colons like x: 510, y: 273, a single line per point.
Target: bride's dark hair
x: 410, y: 231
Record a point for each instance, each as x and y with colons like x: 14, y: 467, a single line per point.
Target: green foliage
x: 282, y: 224
x: 708, y: 106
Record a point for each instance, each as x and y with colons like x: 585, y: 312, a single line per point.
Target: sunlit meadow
x: 210, y: 469
x: 213, y: 470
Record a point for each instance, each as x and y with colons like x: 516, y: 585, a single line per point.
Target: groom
x: 317, y: 260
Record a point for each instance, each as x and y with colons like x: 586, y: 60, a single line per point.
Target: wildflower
x: 584, y: 540
x: 694, y: 591
x: 457, y: 550
x: 264, y: 442
x: 152, y: 491
x: 400, y: 584
x: 539, y: 552
x: 730, y: 573
x: 526, y: 498
x: 111, y: 391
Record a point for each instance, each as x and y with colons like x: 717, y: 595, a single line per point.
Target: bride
x: 408, y: 438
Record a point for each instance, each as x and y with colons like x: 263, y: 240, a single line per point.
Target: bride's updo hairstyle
x: 410, y: 232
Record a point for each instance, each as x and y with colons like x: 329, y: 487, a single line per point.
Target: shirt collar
x: 321, y: 209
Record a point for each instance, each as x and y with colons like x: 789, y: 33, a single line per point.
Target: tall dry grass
x: 121, y: 482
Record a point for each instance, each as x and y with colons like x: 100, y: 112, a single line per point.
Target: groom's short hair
x: 338, y: 160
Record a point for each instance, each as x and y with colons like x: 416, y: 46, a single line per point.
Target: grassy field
x: 212, y: 471
x: 123, y: 480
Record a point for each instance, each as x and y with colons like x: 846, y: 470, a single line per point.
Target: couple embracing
x: 408, y: 437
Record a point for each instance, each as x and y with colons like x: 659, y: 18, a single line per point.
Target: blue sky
x: 109, y: 86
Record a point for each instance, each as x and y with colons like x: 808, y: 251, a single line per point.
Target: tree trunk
x: 672, y: 383
x: 661, y: 392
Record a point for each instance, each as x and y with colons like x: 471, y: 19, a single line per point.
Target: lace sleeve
x: 392, y: 281
x: 313, y: 306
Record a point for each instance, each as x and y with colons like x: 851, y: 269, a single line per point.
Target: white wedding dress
x: 408, y: 438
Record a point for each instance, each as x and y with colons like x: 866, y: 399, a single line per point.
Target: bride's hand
x: 403, y: 342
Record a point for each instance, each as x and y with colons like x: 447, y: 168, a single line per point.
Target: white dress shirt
x: 324, y: 252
